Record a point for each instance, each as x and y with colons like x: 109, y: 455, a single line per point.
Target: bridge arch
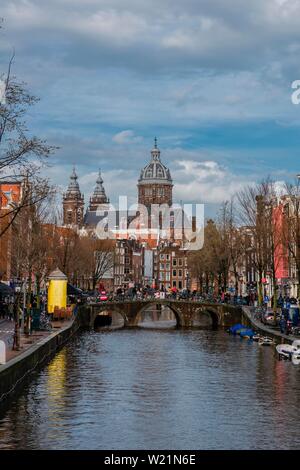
x: 214, y: 315
x: 162, y: 304
x: 99, y: 317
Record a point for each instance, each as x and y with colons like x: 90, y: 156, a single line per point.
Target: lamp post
x: 187, y: 280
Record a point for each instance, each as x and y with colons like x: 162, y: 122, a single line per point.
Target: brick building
x: 173, y: 268
x: 155, y: 183
x: 73, y: 203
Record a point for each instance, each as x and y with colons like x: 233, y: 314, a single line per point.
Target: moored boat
x: 256, y: 337
x: 290, y: 351
x: 247, y: 333
x: 284, y: 351
x: 235, y: 329
x: 265, y: 341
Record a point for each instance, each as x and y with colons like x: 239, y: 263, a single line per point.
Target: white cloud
x: 205, y: 182
x: 126, y: 137
x: 122, y: 67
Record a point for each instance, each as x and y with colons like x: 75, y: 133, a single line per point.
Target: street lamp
x: 187, y: 278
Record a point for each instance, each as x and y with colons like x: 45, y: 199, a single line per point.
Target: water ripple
x: 151, y: 389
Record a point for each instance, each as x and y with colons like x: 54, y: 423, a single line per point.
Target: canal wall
x: 14, y: 372
x: 261, y: 328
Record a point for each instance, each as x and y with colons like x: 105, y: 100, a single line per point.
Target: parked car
x: 268, y: 318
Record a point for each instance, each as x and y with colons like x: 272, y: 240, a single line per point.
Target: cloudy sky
x: 210, y: 78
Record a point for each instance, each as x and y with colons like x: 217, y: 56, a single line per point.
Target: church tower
x: 99, y: 196
x: 155, y: 183
x: 99, y: 202
x: 73, y: 203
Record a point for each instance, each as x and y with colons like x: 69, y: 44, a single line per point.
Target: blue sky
x: 211, y: 79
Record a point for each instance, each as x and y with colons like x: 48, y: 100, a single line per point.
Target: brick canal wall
x: 14, y: 372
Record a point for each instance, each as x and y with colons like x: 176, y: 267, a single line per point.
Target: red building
x: 10, y: 196
x: 281, y: 251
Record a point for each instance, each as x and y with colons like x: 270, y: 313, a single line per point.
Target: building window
x: 174, y: 272
x: 162, y: 266
x: 162, y: 256
x: 174, y: 262
x: 180, y: 285
x: 180, y: 261
x: 180, y: 273
x: 167, y: 257
x: 167, y: 276
x: 174, y: 284
x: 168, y: 266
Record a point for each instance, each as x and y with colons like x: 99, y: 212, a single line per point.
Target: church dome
x: 155, y: 171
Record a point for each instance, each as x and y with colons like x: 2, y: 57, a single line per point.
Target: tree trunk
x: 260, y: 290
x: 28, y: 302
x: 38, y: 286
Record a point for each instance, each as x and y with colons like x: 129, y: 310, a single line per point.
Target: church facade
x: 155, y: 184
x: 155, y: 187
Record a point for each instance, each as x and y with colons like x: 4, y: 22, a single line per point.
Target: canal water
x: 157, y: 389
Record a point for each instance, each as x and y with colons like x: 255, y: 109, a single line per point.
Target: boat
x: 290, y: 351
x: 284, y: 351
x: 235, y: 329
x: 256, y: 337
x: 296, y: 357
x: 265, y: 341
x: 246, y: 333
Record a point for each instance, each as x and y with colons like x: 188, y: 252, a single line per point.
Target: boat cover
x: 235, y: 328
x: 247, y: 332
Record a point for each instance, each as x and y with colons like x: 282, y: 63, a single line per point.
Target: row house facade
x: 10, y: 196
x: 128, y: 264
x: 173, y: 268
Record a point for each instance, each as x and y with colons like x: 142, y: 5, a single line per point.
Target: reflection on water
x: 157, y: 389
x: 157, y: 317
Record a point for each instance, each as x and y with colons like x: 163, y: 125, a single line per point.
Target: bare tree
x: 21, y: 154
x: 257, y: 211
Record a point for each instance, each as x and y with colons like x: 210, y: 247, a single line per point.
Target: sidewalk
x: 267, y: 329
x: 7, y: 329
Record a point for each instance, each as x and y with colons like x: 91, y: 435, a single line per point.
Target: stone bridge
x: 186, y: 312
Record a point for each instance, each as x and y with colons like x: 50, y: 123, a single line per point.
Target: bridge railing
x: 153, y: 300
